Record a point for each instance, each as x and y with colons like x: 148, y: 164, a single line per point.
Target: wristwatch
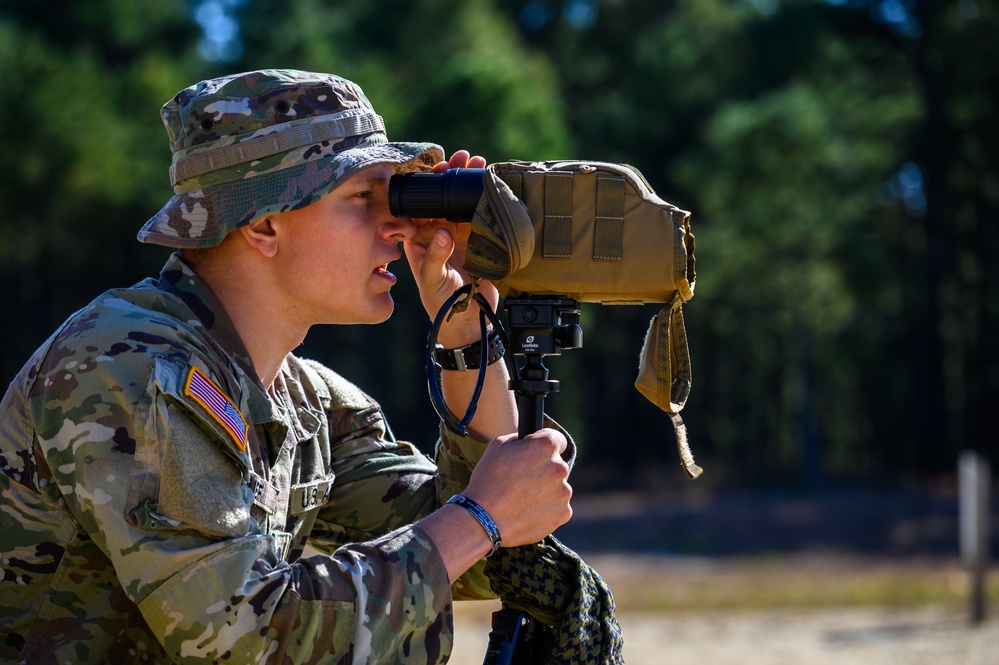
x: 468, y: 357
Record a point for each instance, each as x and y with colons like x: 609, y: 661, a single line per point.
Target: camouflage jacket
x: 156, y: 501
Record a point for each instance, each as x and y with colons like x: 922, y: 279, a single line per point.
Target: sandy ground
x: 828, y: 636
x: 829, y: 578
x: 867, y: 577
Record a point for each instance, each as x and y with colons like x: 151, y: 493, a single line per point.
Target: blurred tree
x: 825, y: 149
x: 956, y: 153
x: 84, y: 160
x: 453, y: 72
x: 796, y: 239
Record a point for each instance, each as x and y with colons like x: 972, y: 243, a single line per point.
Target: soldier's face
x: 335, y: 253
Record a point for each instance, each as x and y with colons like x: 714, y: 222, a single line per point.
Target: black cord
x: 486, y: 314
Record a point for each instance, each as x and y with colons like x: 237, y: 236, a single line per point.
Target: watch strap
x: 468, y: 357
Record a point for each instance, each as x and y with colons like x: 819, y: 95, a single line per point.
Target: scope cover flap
x: 593, y: 232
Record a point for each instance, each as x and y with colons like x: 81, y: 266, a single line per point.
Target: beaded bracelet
x: 483, y: 518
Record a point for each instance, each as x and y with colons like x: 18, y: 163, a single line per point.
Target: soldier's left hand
x: 436, y: 253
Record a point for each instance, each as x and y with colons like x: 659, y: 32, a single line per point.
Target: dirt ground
x: 835, y: 578
x: 823, y: 636
x: 857, y: 636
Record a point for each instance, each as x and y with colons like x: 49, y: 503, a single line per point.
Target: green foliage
x: 793, y: 234
x: 817, y: 305
x: 455, y: 72
x: 84, y: 158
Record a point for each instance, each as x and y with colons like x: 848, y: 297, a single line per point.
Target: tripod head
x: 539, y: 326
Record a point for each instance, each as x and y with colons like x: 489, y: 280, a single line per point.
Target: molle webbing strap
x: 333, y: 127
x: 608, y: 226
x: 556, y: 242
x: 515, y: 181
x: 680, y: 385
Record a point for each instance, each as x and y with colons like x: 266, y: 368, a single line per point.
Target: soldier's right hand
x: 523, y: 484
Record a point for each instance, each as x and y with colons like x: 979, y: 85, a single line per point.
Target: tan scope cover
x: 594, y: 232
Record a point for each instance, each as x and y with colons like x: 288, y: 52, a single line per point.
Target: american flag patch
x: 208, y: 395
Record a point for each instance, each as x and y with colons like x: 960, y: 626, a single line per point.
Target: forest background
x: 840, y: 159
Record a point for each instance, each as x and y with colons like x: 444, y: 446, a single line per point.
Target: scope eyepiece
x: 452, y: 195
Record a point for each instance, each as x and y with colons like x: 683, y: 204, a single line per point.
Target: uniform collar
x: 288, y: 402
x: 180, y: 278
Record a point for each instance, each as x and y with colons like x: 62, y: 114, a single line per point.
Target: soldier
x: 166, y: 458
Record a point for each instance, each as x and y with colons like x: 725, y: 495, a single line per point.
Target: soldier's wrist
x: 481, y: 516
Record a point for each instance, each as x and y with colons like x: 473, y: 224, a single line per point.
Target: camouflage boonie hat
x: 251, y: 144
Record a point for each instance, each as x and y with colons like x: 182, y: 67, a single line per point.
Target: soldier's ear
x: 261, y: 235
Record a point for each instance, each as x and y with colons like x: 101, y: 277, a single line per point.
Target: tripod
x: 538, y: 327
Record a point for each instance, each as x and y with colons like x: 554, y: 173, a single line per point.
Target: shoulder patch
x: 217, y: 403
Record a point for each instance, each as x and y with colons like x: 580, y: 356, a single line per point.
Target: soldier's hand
x: 436, y: 253
x: 523, y: 484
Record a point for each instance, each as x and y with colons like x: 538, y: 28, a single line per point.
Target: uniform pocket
x: 190, y: 468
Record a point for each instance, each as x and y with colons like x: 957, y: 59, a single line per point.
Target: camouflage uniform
x: 156, y: 499
x: 131, y: 516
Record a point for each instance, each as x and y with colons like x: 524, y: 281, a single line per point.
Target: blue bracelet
x: 483, y: 518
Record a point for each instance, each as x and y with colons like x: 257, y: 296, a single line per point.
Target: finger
x: 438, y: 252
x: 504, y: 439
x: 459, y: 159
x: 556, y: 437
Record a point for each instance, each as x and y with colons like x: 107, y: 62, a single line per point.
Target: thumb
x: 438, y: 253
